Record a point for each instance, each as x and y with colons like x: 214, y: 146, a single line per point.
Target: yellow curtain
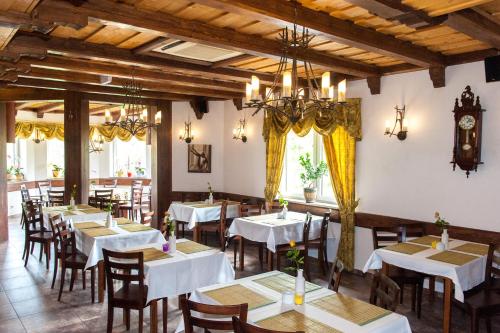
x: 340, y: 130
x: 25, y: 129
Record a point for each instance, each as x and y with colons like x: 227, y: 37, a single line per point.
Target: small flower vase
x: 210, y: 199
x: 72, y: 203
x: 445, y: 238
x: 109, y: 220
x: 300, y: 287
x: 284, y: 211
x: 172, y: 244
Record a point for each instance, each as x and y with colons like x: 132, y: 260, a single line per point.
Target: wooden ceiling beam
x: 323, y: 24
x: 464, y: 58
x: 12, y: 93
x: 44, y: 73
x: 150, y: 46
x: 109, y: 13
x: 476, y: 26
x: 76, y: 48
x: 233, y: 60
x: 50, y: 107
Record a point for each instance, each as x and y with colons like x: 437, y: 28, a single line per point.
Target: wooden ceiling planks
x: 23, y: 6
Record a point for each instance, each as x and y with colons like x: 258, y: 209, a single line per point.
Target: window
x: 55, y: 155
x: 291, y: 185
x: 16, y: 154
x: 128, y: 156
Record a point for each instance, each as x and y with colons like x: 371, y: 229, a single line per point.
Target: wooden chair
x: 320, y: 243
x: 128, y: 268
x: 25, y: 197
x: 247, y: 210
x: 72, y: 259
x: 94, y: 202
x: 54, y: 220
x: 186, y: 197
x: 217, y: 226
x: 132, y: 209
x: 190, y: 321
x: 384, y: 291
x: 147, y: 218
x: 384, y: 236
x: 35, y: 233
x: 103, y: 197
x: 273, y: 208
x: 485, y: 303
x: 43, y: 188
x: 335, y: 275
x: 56, y: 198
x: 109, y: 183
x: 241, y: 327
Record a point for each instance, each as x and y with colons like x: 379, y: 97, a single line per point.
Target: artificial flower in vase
x: 72, y: 203
x: 297, y: 261
x: 443, y: 225
x: 109, y: 217
x: 210, y: 194
x: 170, y: 227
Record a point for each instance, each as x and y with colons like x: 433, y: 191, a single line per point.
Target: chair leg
x: 47, y: 254
x: 321, y: 261
x: 73, y: 278
x: 432, y: 288
x: 235, y: 250
x: 420, y: 290
x: 126, y: 315
x: 474, y: 320
x: 27, y: 254
x: 402, y: 287
x: 84, y: 277
x: 325, y: 259
x: 92, y: 283
x: 56, y: 264
x: 183, y: 230
x: 488, y: 324
x: 32, y: 247
x: 307, y: 271
x: 41, y: 252
x: 141, y: 320
x: 110, y: 319
x: 261, y: 254
x: 61, y: 286
x: 278, y: 261
x: 164, y: 314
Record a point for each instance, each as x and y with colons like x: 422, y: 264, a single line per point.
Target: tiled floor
x: 27, y: 304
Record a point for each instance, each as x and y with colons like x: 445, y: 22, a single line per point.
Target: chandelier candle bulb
x: 248, y: 92
x: 287, y: 84
x: 107, y: 116
x: 123, y: 114
x: 387, y: 127
x: 157, y: 117
x: 342, y: 90
x: 405, y: 125
x: 325, y: 85
x: 145, y: 115
x: 331, y: 92
x: 255, y: 88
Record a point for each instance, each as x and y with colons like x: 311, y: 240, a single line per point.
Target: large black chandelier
x: 291, y: 94
x: 133, y: 114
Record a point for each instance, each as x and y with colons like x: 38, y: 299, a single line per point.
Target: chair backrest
x: 32, y: 215
x: 385, y: 236
x: 306, y: 230
x: 136, y: 195
x: 43, y: 187
x: 147, y: 218
x: 221, y: 311
x: 385, y: 292
x: 136, y: 183
x: 493, y: 265
x: 412, y: 230
x: 250, y: 210
x: 110, y: 183
x: 25, y: 193
x: 190, y: 197
x: 103, y: 197
x: 273, y: 208
x: 324, y: 228
x: 94, y: 202
x: 56, y: 198
x: 223, y: 232
x: 65, y: 239
x: 335, y: 275
x: 54, y: 221
x: 242, y: 327
x: 125, y: 267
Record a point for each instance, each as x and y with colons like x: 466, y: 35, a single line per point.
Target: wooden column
x: 4, y: 226
x: 161, y: 161
x: 76, y: 146
x: 11, y: 121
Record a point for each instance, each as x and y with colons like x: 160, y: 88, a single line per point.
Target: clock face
x: 467, y: 122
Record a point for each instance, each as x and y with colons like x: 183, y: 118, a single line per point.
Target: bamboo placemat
x: 135, y: 227
x: 426, y: 240
x: 351, y: 309
x: 150, y: 254
x: 293, y: 321
x: 122, y: 221
x: 68, y: 213
x: 189, y: 247
x: 451, y: 257
x: 88, y: 225
x: 238, y: 294
x: 98, y: 232
x: 474, y: 248
x: 91, y: 210
x: 406, y: 248
x: 83, y: 206
x: 282, y: 282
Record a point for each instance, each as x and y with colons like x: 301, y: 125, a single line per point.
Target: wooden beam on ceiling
x: 323, y: 24
x: 12, y: 93
x: 150, y: 46
x: 77, y: 48
x: 233, y: 60
x: 109, y: 13
x: 464, y: 58
x: 45, y: 73
x: 19, y: 20
x: 374, y: 84
x: 476, y: 26
x: 50, y: 107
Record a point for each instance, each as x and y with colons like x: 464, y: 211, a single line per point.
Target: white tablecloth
x: 75, y: 215
x: 184, y: 273
x: 190, y: 213
x: 393, y: 323
x: 268, y: 229
x: 464, y: 277
x: 92, y: 246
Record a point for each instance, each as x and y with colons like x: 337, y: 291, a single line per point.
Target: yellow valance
x: 25, y: 129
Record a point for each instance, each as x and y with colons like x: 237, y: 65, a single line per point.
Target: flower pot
x: 119, y: 173
x: 310, y: 194
x: 20, y: 176
x: 55, y: 173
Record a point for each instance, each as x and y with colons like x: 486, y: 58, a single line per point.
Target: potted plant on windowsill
x: 18, y: 171
x: 10, y: 173
x: 310, y: 175
x: 56, y: 171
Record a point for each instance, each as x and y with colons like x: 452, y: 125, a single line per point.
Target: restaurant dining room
x: 250, y: 166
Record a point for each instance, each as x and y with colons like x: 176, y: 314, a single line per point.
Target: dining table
x: 93, y: 236
x: 323, y: 310
x: 273, y: 230
x: 462, y: 265
x: 194, y: 213
x: 77, y: 213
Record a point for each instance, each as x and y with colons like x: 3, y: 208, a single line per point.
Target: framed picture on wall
x: 199, y: 158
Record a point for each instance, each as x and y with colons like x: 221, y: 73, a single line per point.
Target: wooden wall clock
x: 468, y: 127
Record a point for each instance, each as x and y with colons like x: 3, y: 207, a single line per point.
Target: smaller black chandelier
x: 96, y: 144
x: 239, y: 131
x: 400, y: 128
x: 38, y: 136
x: 133, y: 114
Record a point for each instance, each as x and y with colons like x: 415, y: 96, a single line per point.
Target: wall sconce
x: 186, y: 136
x: 400, y: 124
x: 96, y: 144
x: 239, y: 131
x: 38, y: 136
